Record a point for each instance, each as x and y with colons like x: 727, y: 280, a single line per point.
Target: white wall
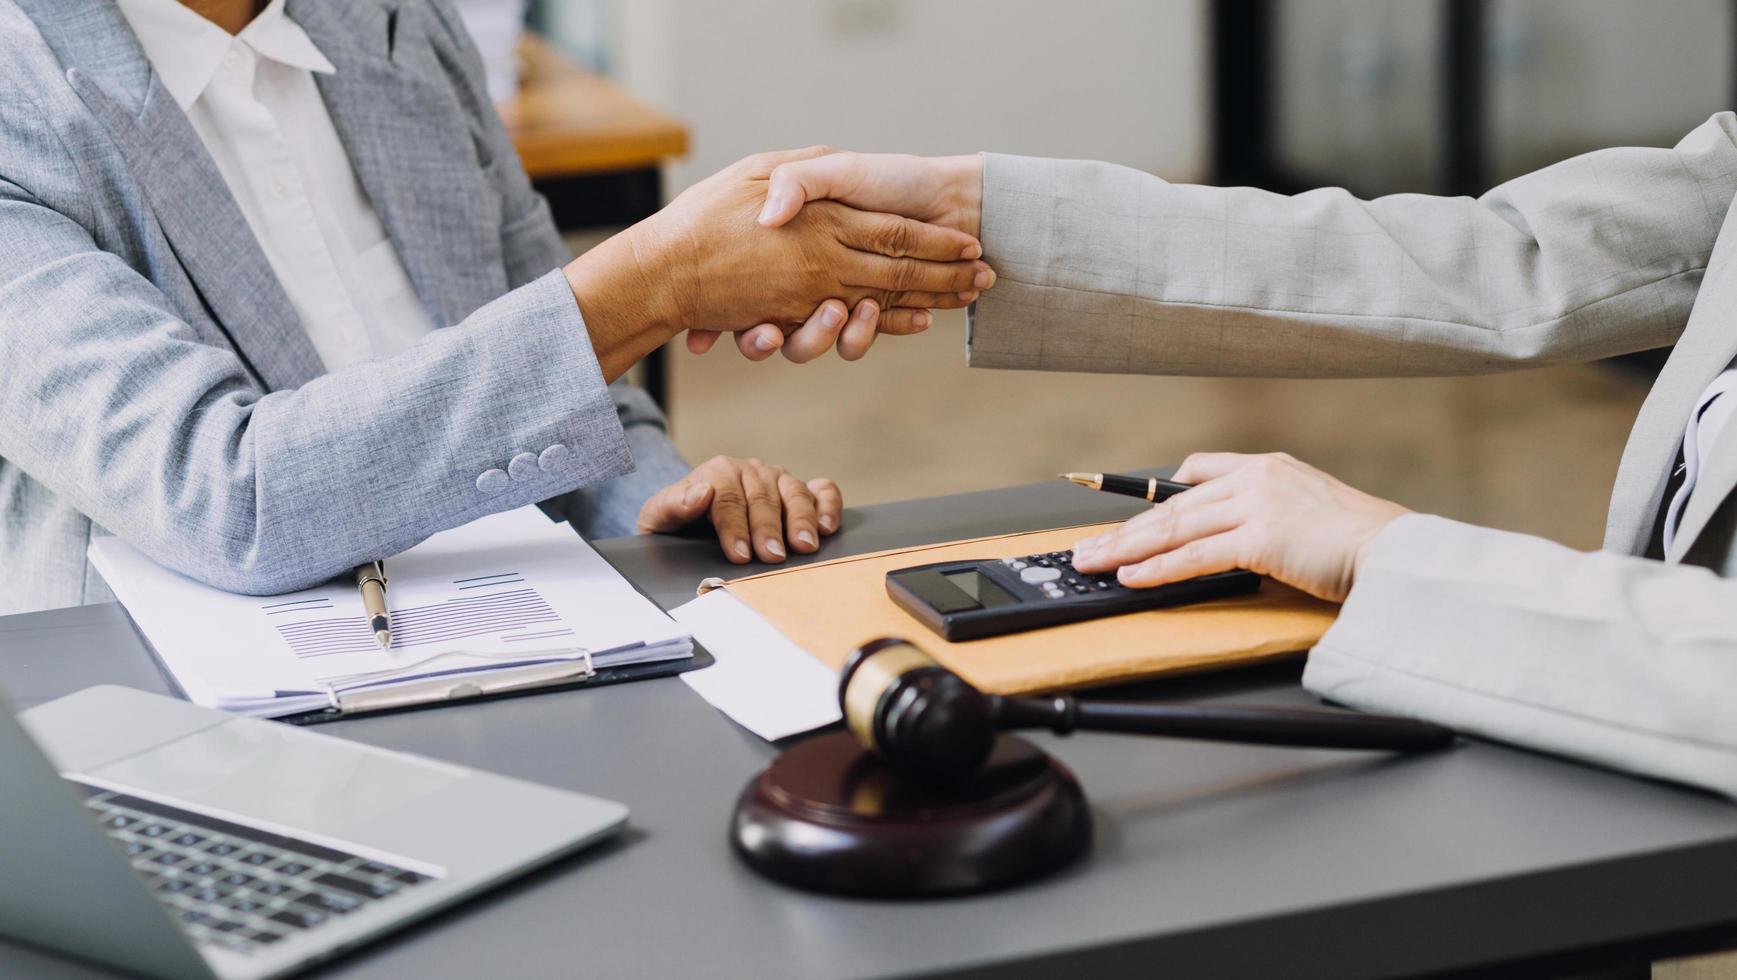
x: 1118, y: 80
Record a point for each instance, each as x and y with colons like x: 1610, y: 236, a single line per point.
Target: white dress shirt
x: 253, y: 101
x: 1712, y: 410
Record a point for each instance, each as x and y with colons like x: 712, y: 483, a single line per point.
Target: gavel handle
x: 1317, y: 727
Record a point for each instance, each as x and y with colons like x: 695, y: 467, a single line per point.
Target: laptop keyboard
x: 236, y: 886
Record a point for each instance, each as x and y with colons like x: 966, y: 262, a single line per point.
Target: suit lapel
x: 1703, y: 352
x: 411, y: 148
x: 185, y: 191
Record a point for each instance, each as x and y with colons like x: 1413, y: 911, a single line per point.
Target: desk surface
x: 1210, y: 860
x: 568, y: 121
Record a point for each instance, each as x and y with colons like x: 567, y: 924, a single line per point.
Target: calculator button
x: 1037, y: 576
x: 1018, y: 565
x: 1102, y: 584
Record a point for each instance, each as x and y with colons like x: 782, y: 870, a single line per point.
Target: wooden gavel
x: 929, y: 723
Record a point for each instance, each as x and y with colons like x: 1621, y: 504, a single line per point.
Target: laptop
x: 175, y: 841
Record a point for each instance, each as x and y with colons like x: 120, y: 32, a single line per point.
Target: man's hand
x: 852, y: 331
x: 1269, y: 514
x: 704, y: 262
x: 944, y: 191
x: 757, y: 509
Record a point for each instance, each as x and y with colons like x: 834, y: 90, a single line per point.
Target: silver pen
x: 371, y: 579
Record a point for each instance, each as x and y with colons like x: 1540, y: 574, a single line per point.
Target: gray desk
x: 1211, y: 860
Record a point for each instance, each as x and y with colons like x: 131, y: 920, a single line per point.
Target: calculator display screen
x: 987, y: 593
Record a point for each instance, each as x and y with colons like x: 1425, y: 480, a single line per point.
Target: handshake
x: 886, y: 239
x: 808, y: 250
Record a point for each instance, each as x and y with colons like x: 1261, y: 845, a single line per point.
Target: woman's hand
x: 757, y: 509
x: 945, y: 191
x: 1269, y: 514
x: 832, y: 324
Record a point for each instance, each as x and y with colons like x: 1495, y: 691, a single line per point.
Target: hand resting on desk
x: 749, y: 501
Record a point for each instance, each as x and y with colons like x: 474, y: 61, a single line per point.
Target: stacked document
x: 509, y: 597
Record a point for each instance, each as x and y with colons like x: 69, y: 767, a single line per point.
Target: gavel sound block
x: 924, y: 794
x: 829, y: 816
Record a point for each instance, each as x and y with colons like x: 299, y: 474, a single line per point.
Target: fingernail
x: 775, y: 547
x: 828, y: 523
x: 696, y: 493
x: 972, y: 251
x: 985, y: 278
x: 806, y: 539
x: 867, y: 311
x: 831, y: 317
x: 764, y: 342
x: 741, y: 550
x: 921, y: 320
x: 774, y: 204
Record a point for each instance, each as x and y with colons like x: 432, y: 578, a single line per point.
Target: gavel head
x: 921, y: 718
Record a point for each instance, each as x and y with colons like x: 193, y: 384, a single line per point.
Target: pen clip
x: 468, y: 685
x: 373, y: 571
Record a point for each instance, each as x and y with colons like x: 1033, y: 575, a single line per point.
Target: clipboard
x: 591, y: 677
x: 493, y: 686
x: 506, y: 604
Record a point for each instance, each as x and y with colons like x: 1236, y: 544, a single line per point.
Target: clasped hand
x: 941, y: 194
x: 705, y: 263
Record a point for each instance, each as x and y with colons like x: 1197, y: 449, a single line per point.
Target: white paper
x: 507, y: 589
x: 761, y: 679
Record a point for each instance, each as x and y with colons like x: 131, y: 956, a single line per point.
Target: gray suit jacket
x: 1625, y: 657
x: 158, y: 383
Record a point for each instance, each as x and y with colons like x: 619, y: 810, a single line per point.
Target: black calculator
x: 969, y: 600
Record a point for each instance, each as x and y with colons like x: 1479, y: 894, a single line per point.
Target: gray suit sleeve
x: 1621, y: 661
x: 1104, y: 268
x: 531, y: 246
x: 114, y: 403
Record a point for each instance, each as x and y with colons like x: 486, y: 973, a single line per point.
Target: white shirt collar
x: 185, y: 49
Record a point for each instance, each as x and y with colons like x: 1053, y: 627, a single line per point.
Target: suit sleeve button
x: 523, y: 467
x: 492, y: 481
x: 555, y: 459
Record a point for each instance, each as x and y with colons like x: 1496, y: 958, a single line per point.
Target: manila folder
x: 831, y: 608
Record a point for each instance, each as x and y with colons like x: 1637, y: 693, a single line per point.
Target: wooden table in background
x: 594, y: 151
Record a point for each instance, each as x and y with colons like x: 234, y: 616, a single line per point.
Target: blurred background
x: 1447, y: 97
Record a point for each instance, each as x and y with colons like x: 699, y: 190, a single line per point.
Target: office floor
x: 1533, y: 451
